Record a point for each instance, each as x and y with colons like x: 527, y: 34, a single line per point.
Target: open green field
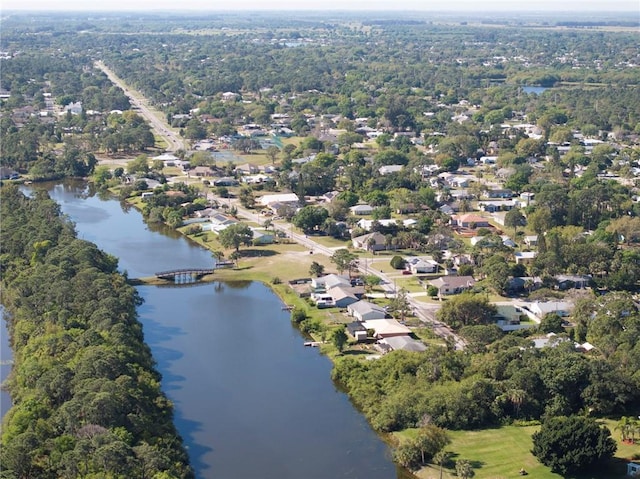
x: 500, y: 453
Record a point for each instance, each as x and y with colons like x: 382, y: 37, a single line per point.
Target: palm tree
x: 625, y: 426
x: 217, y: 255
x: 517, y: 397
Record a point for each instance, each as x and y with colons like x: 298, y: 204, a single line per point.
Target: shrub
x: 298, y: 315
x: 397, y: 262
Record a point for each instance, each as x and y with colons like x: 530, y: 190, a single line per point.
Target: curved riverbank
x: 196, y: 329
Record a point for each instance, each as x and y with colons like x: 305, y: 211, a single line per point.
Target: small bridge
x: 184, y: 274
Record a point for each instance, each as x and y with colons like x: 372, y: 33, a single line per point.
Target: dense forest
x: 86, y: 396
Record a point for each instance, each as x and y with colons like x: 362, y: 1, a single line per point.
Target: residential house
x: 329, y: 196
x: 447, y: 210
x: 361, y: 210
x: 421, y: 265
x: 261, y: 237
x: 202, y: 171
x: 229, y: 96
x: 366, y: 224
x: 539, y: 309
x: 357, y: 330
x: 342, y: 297
x: 531, y: 240
x: 325, y: 283
x: 461, y: 194
x: 453, y: 284
x: 510, y: 318
x: 406, y: 208
x: 375, y: 241
x: 527, y: 197
x: 386, y: 328
x: 488, y: 160
x: 167, y: 158
x: 575, y: 281
x: 499, y: 193
x: 551, y: 340
x: 405, y: 343
x: 493, y: 206
x: 365, y: 311
x: 388, y: 169
x: 282, y: 198
x: 469, y: 221
x: 525, y: 257
x: 247, y: 169
x: 226, y: 181
x: 519, y: 284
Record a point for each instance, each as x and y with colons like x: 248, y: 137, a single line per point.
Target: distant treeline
x: 608, y: 23
x: 86, y: 396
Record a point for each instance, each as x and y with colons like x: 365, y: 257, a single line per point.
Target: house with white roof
x: 421, y: 265
x: 282, y: 198
x: 361, y: 210
x: 365, y: 311
x: 366, y: 224
x: 386, y: 328
x: 324, y: 283
x: 388, y: 169
x: 525, y: 257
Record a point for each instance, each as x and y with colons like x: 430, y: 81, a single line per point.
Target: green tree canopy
x: 572, y: 444
x: 235, y: 235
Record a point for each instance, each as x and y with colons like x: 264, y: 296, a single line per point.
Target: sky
x: 351, y: 5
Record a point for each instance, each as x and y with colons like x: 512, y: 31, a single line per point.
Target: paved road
x: 423, y: 311
x: 157, y: 122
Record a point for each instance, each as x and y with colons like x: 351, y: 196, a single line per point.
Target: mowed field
x: 500, y: 454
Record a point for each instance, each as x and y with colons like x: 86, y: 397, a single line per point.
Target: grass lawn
x: 500, y: 453
x: 330, y: 242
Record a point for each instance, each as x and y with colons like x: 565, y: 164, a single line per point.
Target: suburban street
x: 139, y: 102
x: 423, y: 311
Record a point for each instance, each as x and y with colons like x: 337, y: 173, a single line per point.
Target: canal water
x: 250, y: 400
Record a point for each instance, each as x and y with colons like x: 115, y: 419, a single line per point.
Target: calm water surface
x: 250, y: 400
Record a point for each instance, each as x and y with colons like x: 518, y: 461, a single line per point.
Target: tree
x: 430, y: 440
x: 139, y: 165
x: 316, y: 269
x: 235, y: 235
x: 514, y: 219
x: 370, y: 281
x: 342, y: 258
x: 339, y: 339
x: 466, y: 309
x: 464, y: 469
x: 309, y: 218
x: 272, y: 153
x: 398, y: 262
x: 551, y: 323
x: 572, y: 444
x: 400, y: 304
x: 217, y: 255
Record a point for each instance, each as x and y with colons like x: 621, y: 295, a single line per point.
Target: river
x: 250, y: 400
